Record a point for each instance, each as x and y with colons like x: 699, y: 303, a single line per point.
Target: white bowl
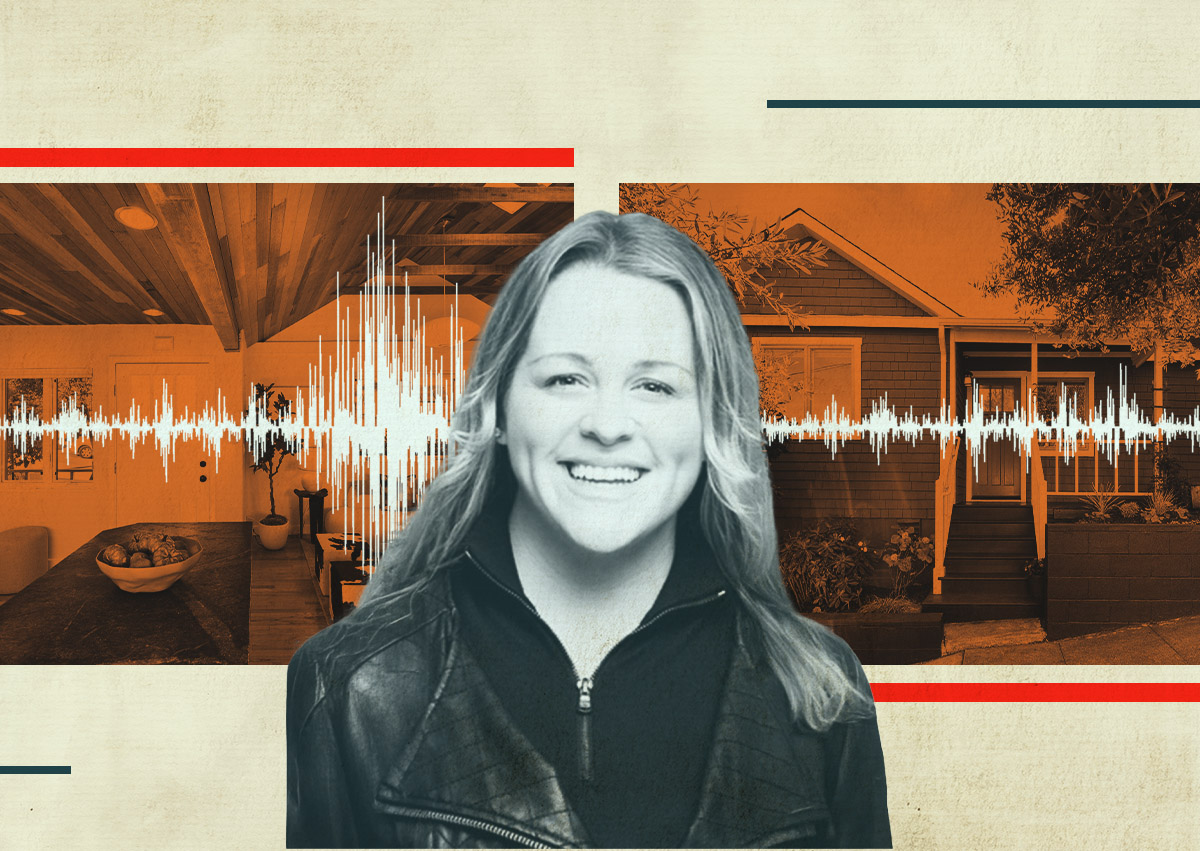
x: 142, y: 579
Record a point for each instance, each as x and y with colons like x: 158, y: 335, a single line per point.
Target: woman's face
x: 602, y: 421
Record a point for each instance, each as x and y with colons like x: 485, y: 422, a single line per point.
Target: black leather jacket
x: 395, y: 739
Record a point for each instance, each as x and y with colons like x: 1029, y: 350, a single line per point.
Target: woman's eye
x: 562, y: 381
x: 658, y: 388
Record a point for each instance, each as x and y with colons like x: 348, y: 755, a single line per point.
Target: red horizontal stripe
x: 1036, y: 692
x: 287, y: 157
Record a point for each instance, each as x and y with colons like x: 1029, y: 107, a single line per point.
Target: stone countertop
x: 74, y: 614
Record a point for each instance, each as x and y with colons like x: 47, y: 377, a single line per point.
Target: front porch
x: 994, y: 496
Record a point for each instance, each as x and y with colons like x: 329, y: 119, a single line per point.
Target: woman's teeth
x: 588, y: 473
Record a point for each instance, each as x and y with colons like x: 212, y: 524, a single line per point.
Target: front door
x: 146, y: 492
x: 998, y: 475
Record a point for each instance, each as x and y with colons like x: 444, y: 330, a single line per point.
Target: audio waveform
x: 377, y: 415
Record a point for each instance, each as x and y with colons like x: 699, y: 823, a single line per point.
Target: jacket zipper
x: 584, y: 710
x: 584, y: 685
x: 470, y: 823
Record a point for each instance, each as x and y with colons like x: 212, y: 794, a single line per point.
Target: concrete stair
x: 986, y: 552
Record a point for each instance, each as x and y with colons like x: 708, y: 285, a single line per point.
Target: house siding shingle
x: 875, y: 493
x: 839, y: 288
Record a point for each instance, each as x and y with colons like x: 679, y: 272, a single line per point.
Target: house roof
x: 860, y: 257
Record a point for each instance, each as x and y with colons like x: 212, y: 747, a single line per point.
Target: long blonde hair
x: 735, y: 506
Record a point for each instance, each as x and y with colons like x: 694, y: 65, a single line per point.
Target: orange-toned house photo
x: 116, y: 297
x: 1058, y: 540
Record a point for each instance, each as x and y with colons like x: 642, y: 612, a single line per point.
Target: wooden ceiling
x: 252, y: 259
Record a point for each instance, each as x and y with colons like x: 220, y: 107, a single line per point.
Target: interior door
x: 999, y: 471
x: 145, y: 492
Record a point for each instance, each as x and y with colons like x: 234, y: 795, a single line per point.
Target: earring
x: 499, y: 435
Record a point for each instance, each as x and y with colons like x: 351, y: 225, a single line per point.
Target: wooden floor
x: 284, y: 607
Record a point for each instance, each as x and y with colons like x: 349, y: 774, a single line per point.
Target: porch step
x: 963, y: 607
x: 991, y: 512
x: 970, y: 565
x: 990, y: 529
x: 986, y: 551
x: 989, y: 585
x: 1020, y: 544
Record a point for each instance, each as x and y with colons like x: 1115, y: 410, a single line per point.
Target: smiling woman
x: 582, y: 637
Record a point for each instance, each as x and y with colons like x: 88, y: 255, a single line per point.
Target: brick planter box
x: 1107, y: 575
x: 887, y: 639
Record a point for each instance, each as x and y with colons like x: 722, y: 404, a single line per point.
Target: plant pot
x: 273, y: 536
x: 1037, y: 587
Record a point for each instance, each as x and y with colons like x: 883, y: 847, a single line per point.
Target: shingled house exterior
x: 873, y: 334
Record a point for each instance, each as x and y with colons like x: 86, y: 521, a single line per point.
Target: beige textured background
x: 193, y: 757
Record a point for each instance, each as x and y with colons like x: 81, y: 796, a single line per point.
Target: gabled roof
x: 879, y: 270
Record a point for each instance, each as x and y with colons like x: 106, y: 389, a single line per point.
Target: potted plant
x: 1035, y: 579
x: 269, y: 446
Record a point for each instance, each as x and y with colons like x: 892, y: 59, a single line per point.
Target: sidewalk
x: 1022, y: 642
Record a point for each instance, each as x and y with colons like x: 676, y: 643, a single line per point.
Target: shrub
x: 823, y: 567
x: 891, y: 606
x: 909, y: 555
x: 1130, y: 510
x: 1161, y: 508
x: 1101, y: 500
x: 1169, y: 474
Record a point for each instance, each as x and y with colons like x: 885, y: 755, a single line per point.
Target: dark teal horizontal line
x: 35, y: 769
x: 983, y: 104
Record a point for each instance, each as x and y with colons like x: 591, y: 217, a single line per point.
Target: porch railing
x: 946, y: 487
x: 1037, y: 497
x: 1074, y: 481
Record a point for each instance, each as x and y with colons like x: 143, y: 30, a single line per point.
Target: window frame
x: 854, y: 344
x: 50, y: 445
x: 1086, y: 446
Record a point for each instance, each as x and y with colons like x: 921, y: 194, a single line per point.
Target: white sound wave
x: 377, y: 415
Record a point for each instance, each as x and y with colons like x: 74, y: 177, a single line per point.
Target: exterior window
x: 40, y: 459
x: 1075, y: 389
x: 812, y: 375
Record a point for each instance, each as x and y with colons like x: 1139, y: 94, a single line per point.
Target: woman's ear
x: 500, y: 437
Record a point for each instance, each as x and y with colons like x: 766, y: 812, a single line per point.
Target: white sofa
x: 24, y: 556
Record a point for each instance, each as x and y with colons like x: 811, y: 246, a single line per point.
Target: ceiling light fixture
x: 12, y: 311
x: 509, y: 207
x: 153, y: 312
x: 136, y: 218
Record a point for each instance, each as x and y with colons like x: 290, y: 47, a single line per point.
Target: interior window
x: 34, y: 458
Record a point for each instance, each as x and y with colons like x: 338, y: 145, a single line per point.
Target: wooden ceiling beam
x: 438, y: 240
x: 482, y: 194
x: 482, y: 291
x: 460, y: 270
x: 179, y: 211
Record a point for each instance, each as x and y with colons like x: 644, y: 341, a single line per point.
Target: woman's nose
x: 607, y: 425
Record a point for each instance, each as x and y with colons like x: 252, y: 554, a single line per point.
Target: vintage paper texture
x: 194, y: 757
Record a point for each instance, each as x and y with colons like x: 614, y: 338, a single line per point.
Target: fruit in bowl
x: 149, y: 562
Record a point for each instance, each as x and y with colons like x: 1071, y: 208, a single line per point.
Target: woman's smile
x: 601, y: 474
x: 602, y: 420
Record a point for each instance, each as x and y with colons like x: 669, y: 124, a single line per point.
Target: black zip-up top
x: 447, y: 716
x: 630, y: 743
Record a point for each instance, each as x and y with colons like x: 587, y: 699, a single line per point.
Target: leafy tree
x: 1104, y: 261
x: 736, y: 244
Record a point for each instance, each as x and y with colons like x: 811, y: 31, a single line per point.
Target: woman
x: 582, y: 637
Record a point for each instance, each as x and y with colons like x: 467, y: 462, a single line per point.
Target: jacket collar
x: 467, y: 764
x: 694, y: 574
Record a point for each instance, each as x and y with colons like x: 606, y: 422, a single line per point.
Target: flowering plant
x: 908, y: 554
x: 823, y: 567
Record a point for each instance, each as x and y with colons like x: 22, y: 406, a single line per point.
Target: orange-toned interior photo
x: 149, y: 322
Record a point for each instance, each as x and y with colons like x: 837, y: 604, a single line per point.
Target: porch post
x: 1156, y: 415
x: 1031, y: 396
